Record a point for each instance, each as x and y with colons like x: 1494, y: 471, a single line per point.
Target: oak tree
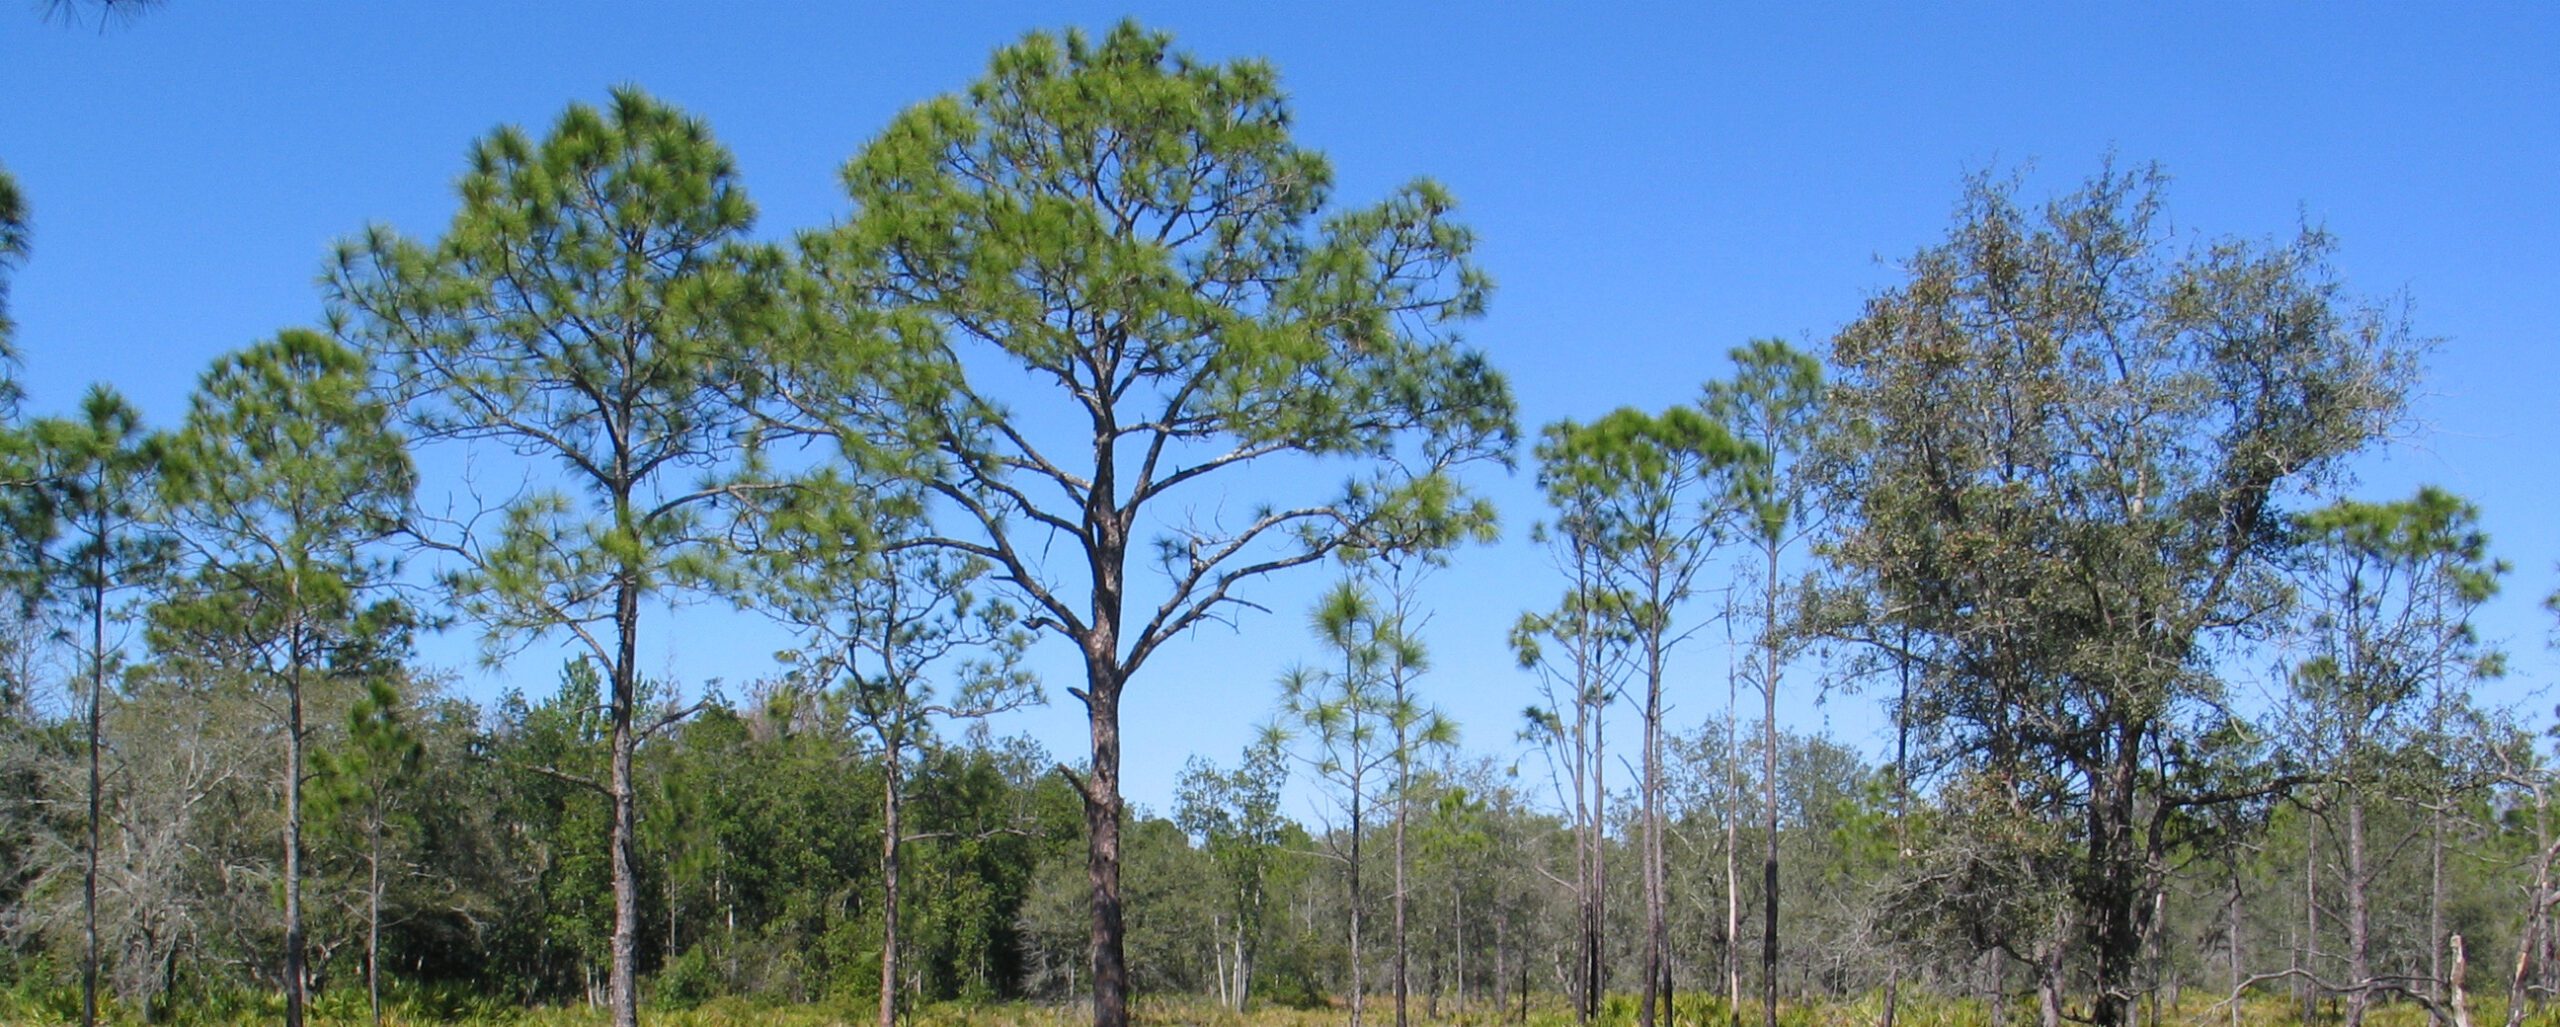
x: 2075, y: 439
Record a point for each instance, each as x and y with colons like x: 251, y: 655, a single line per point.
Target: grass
x: 342, y: 1009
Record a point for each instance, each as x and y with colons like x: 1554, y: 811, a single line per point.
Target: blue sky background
x: 1652, y: 184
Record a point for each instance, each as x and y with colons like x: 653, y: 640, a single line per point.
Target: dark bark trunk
x: 1359, y: 987
x: 294, y: 996
x: 1102, y: 850
x: 1655, y: 932
x: 2116, y: 892
x: 623, y: 986
x: 97, y: 690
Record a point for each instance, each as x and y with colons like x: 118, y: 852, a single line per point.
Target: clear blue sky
x: 1652, y: 184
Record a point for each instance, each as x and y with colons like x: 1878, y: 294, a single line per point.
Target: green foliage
x: 587, y: 307
x: 1136, y: 228
x: 13, y: 252
x: 284, y: 474
x: 2066, y: 449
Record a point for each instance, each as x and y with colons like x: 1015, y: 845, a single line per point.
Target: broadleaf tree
x: 1124, y: 308
x: 2074, y: 443
x: 587, y: 308
x: 1236, y: 815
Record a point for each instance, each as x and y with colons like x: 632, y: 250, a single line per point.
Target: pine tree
x: 282, y: 479
x: 589, y: 307
x: 1133, y: 234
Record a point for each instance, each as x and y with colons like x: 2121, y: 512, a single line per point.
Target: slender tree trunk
x: 1655, y: 933
x: 1359, y: 989
x: 1597, y: 932
x: 2310, y: 951
x: 294, y: 996
x: 1769, y: 798
x: 1733, y: 848
x: 890, y: 845
x: 1404, y: 796
x: 2359, y: 913
x: 623, y: 985
x: 2435, y: 908
x: 373, y: 917
x: 2233, y: 942
x: 1458, y: 899
x: 1901, y: 811
x: 2461, y: 1000
x: 97, y: 692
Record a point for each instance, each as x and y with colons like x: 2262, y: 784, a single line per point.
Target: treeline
x: 1095, y: 351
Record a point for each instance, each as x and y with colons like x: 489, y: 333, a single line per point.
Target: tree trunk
x: 2237, y: 915
x: 2435, y: 908
x: 2529, y: 940
x: 1901, y: 811
x: 1458, y: 950
x: 97, y: 691
x: 2308, y: 959
x: 1655, y: 932
x: 1733, y: 849
x: 294, y: 996
x: 2461, y: 1000
x: 623, y: 986
x: 890, y: 844
x: 1102, y: 849
x: 1404, y: 785
x: 1596, y: 931
x: 1769, y: 799
x: 1359, y: 987
x: 2359, y: 913
x: 2049, y: 980
x: 2118, y: 894
x: 373, y: 915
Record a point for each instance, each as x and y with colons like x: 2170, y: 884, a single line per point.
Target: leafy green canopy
x: 284, y: 473
x: 2068, y: 448
x: 1135, y: 230
x: 2389, y: 590
x: 13, y: 251
x: 586, y: 307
